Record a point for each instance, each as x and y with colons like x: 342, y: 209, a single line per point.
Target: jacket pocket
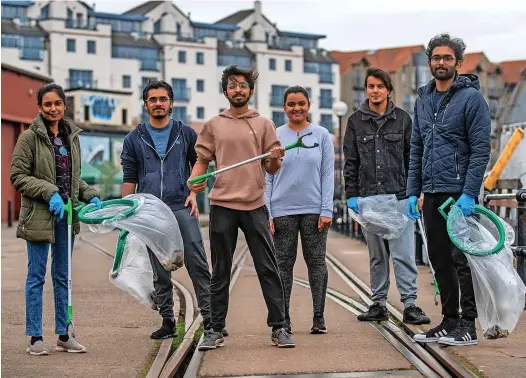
x: 25, y: 220
x: 365, y: 143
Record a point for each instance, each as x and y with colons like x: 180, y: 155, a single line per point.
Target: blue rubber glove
x: 466, y: 204
x: 352, y: 203
x: 96, y: 202
x: 411, y: 208
x: 56, y: 205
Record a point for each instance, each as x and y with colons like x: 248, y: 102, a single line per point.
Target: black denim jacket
x: 376, y: 149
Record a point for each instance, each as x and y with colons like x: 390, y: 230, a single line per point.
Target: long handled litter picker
x: 297, y: 144
x: 424, y: 240
x: 69, y: 209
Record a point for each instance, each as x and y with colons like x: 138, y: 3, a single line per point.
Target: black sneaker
x: 318, y: 326
x: 415, y: 315
x: 288, y: 328
x: 376, y: 313
x: 464, y: 334
x: 211, y: 340
x: 434, y: 334
x: 224, y: 332
x: 281, y: 338
x: 167, y: 330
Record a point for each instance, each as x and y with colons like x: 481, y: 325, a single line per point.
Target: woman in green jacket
x: 45, y: 168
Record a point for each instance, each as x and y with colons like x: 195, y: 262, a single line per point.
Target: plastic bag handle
x: 442, y: 208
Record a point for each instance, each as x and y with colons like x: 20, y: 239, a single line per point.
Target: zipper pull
x: 458, y: 176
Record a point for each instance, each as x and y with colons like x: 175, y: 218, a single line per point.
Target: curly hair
x: 456, y: 44
x: 250, y: 74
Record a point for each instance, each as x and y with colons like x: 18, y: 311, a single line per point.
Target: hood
x: 461, y: 81
x: 367, y: 113
x: 250, y: 114
x: 39, y: 127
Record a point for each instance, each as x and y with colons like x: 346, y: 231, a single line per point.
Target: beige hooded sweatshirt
x: 228, y: 139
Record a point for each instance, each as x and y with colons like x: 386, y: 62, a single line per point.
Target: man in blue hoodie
x: 450, y: 149
x: 157, y: 158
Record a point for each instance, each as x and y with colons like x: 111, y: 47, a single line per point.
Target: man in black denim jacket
x: 376, y: 148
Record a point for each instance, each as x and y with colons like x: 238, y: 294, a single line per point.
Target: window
x: 277, y: 93
x: 10, y: 11
x: 92, y: 47
x: 272, y: 64
x: 70, y: 44
x: 80, y: 79
x: 200, y: 84
x: 124, y: 116
x: 86, y: 113
x: 179, y: 113
x: 31, y: 47
x: 326, y: 121
x: 182, y: 56
x: 44, y: 12
x: 326, y: 99
x: 279, y: 118
x: 149, y: 57
x: 228, y: 60
x: 181, y: 92
x: 325, y: 73
x: 157, y: 27
x: 288, y: 65
x: 200, y: 58
x: 200, y: 112
x: 422, y: 76
x: 126, y: 81
x: 145, y: 81
x: 309, y: 91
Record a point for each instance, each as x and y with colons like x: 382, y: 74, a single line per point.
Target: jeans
x: 37, y: 254
x: 402, y: 251
x: 196, y: 265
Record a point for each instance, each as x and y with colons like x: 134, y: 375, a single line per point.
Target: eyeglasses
x: 153, y: 100
x: 62, y: 150
x: 235, y: 84
x: 446, y: 58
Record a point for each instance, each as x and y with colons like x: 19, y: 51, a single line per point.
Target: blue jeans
x: 37, y: 254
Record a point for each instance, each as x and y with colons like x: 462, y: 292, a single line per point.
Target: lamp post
x: 340, y: 109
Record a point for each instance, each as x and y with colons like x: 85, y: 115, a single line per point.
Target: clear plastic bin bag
x: 499, y: 290
x: 153, y: 222
x: 380, y: 215
x: 134, y: 274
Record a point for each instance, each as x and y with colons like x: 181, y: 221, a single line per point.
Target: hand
x: 412, y: 209
x: 191, y: 200
x: 277, y: 153
x: 324, y: 222
x: 466, y: 204
x: 56, y: 205
x: 197, y: 188
x: 352, y: 203
x: 271, y: 224
x: 96, y: 202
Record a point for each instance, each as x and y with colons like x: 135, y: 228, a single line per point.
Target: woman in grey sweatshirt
x: 299, y: 199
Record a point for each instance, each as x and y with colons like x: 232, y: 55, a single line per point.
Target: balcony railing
x: 182, y: 94
x: 189, y: 37
x: 31, y: 54
x: 88, y: 84
x: 150, y: 65
x: 80, y: 24
x: 326, y: 103
x: 326, y: 77
x: 276, y: 100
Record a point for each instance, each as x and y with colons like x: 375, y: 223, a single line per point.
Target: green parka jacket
x: 33, y: 174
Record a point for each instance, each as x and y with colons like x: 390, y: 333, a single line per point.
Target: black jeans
x: 452, y: 270
x: 224, y: 224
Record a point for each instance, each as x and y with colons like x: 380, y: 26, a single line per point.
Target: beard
x: 157, y: 115
x: 238, y: 103
x: 444, y: 75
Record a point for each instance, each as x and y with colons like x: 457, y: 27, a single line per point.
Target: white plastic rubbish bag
x: 153, y: 222
x: 134, y: 274
x: 499, y: 290
x: 380, y: 215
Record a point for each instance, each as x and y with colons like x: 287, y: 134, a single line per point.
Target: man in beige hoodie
x: 238, y: 201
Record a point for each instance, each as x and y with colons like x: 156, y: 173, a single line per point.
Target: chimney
x: 257, y: 10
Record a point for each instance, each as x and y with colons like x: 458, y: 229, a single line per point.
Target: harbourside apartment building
x: 81, y: 48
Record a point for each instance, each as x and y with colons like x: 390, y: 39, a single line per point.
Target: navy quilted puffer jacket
x: 450, y: 149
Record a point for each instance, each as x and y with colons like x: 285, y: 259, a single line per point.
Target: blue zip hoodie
x: 165, y: 177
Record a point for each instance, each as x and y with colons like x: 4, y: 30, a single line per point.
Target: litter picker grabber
x: 69, y: 209
x: 424, y: 240
x: 297, y: 144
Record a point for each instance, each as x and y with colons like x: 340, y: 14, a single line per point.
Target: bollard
x: 9, y: 214
x: 521, y: 234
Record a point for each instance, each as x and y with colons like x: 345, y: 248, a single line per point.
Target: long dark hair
x: 50, y: 88
x: 297, y: 89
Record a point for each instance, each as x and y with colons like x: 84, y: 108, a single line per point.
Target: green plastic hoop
x: 97, y: 220
x: 479, y: 210
x: 119, y: 251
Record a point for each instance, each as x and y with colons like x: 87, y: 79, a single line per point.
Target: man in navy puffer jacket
x: 450, y: 149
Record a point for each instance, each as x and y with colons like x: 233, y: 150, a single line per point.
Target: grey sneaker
x: 281, y: 338
x: 70, y: 346
x: 37, y: 349
x: 211, y: 340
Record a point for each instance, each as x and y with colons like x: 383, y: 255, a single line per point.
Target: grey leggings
x: 313, y: 244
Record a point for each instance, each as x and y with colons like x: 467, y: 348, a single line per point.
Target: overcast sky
x: 497, y: 27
